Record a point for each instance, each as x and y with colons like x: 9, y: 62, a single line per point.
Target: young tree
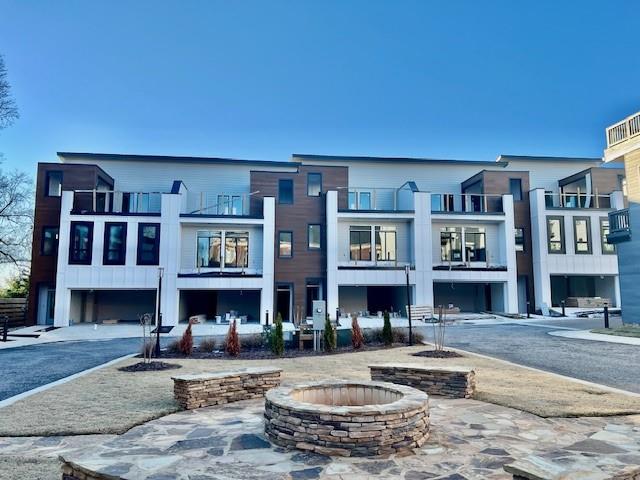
x: 8, y: 108
x: 232, y: 343
x: 387, y: 332
x: 16, y: 214
x: 329, y: 336
x: 277, y: 337
x: 357, y: 339
x: 186, y: 342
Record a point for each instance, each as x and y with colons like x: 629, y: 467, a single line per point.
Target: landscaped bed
x: 624, y: 331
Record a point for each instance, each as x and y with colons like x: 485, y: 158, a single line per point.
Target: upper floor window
x: 314, y: 184
x: 515, y: 188
x: 236, y: 249
x: 285, y: 244
x: 115, y: 243
x: 360, y: 243
x: 607, y: 248
x: 582, y: 234
x: 229, y: 205
x: 359, y: 200
x: 285, y: 190
x: 209, y: 249
x: 314, y: 236
x: 81, y: 243
x: 519, y: 237
x: 386, y: 244
x: 148, y: 244
x: 49, y: 241
x: 450, y: 244
x: 555, y: 235
x: 53, y: 184
x: 475, y: 245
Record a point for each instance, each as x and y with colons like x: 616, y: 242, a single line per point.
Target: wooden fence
x: 15, y: 309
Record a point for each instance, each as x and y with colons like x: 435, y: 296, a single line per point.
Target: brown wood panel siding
x: 47, y: 214
x: 304, y: 264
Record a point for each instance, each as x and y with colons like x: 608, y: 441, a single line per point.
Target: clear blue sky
x: 263, y: 79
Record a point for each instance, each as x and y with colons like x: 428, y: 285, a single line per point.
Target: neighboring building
x: 255, y: 238
x: 623, y: 148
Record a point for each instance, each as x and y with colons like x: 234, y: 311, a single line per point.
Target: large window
x: 285, y: 244
x: 285, y: 191
x: 148, y: 244
x: 450, y: 244
x: 515, y: 188
x: 607, y: 248
x: 475, y: 245
x: 314, y: 236
x: 314, y: 184
x: 519, y: 237
x: 81, y: 243
x: 360, y: 243
x: 49, y: 241
x: 582, y: 234
x: 115, y: 243
x: 53, y: 184
x: 386, y: 244
x: 359, y: 200
x: 209, y: 249
x: 229, y: 205
x: 236, y: 249
x: 555, y: 235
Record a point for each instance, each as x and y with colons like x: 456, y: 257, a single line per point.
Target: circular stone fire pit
x: 347, y: 418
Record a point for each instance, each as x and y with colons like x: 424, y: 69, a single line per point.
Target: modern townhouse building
x: 623, y: 148
x: 225, y: 238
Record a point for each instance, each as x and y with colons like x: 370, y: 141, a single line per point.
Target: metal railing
x: 466, y: 203
x: 619, y: 221
x: 113, y: 201
x: 623, y: 130
x: 364, y: 198
x: 576, y: 200
x: 206, y: 203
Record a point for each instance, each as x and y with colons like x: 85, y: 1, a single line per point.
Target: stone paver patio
x: 469, y: 440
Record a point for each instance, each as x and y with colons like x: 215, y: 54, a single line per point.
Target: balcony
x: 619, y: 227
x: 91, y: 202
x: 466, y: 203
x: 382, y: 199
x: 217, y: 204
x: 576, y: 200
x: 623, y: 130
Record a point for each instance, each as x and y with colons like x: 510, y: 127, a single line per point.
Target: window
x: 475, y: 245
x: 549, y: 199
x: 519, y: 235
x: 236, y: 249
x: 442, y: 202
x: 515, y: 188
x: 229, y: 205
x: 285, y: 244
x: 450, y: 244
x: 148, y: 244
x: 555, y: 234
x: 53, y: 185
x: 359, y: 200
x: 49, y: 241
x: 209, y: 249
x: 385, y: 244
x: 115, y: 243
x: 360, y: 243
x: 81, y: 243
x: 314, y: 184
x: 607, y: 248
x: 314, y: 236
x: 285, y: 191
x: 582, y: 234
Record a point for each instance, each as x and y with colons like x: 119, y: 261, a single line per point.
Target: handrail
x: 619, y: 221
x: 218, y: 203
x: 376, y: 198
x: 577, y: 199
x: 116, y: 201
x: 623, y: 130
x: 466, y: 203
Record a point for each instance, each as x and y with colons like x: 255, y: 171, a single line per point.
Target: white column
x: 268, y: 259
x: 63, y: 294
x: 541, y: 279
x: 422, y: 251
x: 616, y: 291
x: 170, y: 239
x: 332, y: 252
x: 617, y: 200
x: 507, y: 232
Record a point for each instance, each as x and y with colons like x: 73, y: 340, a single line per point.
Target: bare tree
x: 8, y: 107
x: 16, y: 218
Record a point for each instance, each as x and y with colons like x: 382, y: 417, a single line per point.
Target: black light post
x: 606, y: 315
x: 562, y: 304
x: 267, y: 318
x: 407, y: 269
x: 158, y: 311
x: 528, y: 309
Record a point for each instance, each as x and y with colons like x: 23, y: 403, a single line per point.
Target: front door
x: 46, y: 305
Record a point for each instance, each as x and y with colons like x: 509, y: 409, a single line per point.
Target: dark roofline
x: 339, y: 158
x: 515, y: 158
x: 172, y: 158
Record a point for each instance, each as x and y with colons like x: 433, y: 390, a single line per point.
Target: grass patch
x: 624, y: 331
x: 111, y: 401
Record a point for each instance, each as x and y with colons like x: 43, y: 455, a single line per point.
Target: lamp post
x: 158, y: 311
x: 606, y: 314
x: 407, y: 269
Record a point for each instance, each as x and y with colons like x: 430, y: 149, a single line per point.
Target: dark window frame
x: 47, y: 177
x: 72, y: 257
x: 318, y: 174
x: 309, y: 225
x: 281, y: 182
x: 524, y: 239
x: 156, y: 247
x: 449, y: 235
x: 360, y: 230
x: 280, y: 232
x: 589, y: 241
x: 236, y: 235
x: 603, y: 238
x: 478, y: 252
x: 212, y: 234
x: 520, y: 193
x: 123, y: 248
x: 378, y: 233
x: 563, y: 244
x: 56, y: 240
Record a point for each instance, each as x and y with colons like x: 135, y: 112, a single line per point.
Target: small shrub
x: 232, y: 343
x: 329, y: 336
x: 174, y: 346
x: 387, y: 334
x: 400, y: 335
x: 186, y: 342
x: 372, y: 336
x: 357, y: 340
x: 148, y: 349
x: 253, y: 341
x: 277, y: 337
x: 207, y: 345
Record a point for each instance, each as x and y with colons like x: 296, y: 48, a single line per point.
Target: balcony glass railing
x: 465, y: 203
x: 379, y: 199
x: 576, y: 200
x: 205, y: 203
x: 111, y: 201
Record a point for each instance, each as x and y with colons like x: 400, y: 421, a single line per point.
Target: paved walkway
x: 596, y: 337
x: 469, y: 440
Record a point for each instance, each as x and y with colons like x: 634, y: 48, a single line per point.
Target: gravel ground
x: 31, y: 468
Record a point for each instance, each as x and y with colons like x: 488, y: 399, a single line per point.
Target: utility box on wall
x: 319, y: 314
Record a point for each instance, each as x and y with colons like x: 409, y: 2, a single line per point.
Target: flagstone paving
x: 469, y: 440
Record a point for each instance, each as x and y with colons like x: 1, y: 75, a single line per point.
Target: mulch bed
x: 437, y: 354
x: 149, y: 367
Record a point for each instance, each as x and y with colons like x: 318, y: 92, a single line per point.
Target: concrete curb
x: 596, y: 337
